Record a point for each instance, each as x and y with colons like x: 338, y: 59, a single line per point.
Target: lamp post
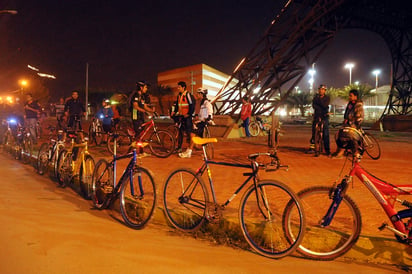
x: 312, y: 72
x: 350, y: 66
x: 376, y: 72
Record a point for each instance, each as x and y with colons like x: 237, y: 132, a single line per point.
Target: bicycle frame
x: 147, y: 126
x: 385, y: 193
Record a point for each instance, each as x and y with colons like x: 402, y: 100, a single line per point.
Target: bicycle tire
x: 85, y: 175
x: 53, y: 160
x: 123, y: 143
x: 318, y: 140
x: 98, y: 135
x: 326, y: 243
x: 371, y: 146
x: 185, y: 199
x: 27, y: 149
x: 102, y: 183
x: 138, y: 198
x: 64, y: 164
x: 260, y: 214
x: 254, y: 128
x: 161, y: 143
x: 42, y: 161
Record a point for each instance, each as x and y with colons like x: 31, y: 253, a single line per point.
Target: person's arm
x: 136, y: 106
x: 192, y: 103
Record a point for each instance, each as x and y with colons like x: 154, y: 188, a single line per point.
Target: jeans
x: 246, y: 126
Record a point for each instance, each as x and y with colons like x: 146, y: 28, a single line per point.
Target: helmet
x: 348, y: 138
x: 142, y: 83
x: 107, y: 101
x: 322, y: 86
x: 202, y: 91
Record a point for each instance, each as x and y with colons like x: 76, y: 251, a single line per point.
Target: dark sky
x: 125, y: 41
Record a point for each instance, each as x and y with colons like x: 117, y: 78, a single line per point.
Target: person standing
x: 184, y: 109
x: 204, y: 116
x: 32, y: 110
x: 74, y: 110
x: 60, y: 113
x: 139, y: 107
x: 320, y: 104
x: 353, y: 117
x: 245, y: 114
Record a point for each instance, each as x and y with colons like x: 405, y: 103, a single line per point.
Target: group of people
x: 353, y: 117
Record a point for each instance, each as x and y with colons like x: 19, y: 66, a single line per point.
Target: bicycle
x: 136, y: 188
x: 96, y: 131
x: 49, y: 152
x: 318, y: 137
x: 161, y: 142
x: 187, y: 205
x: 333, y: 220
x: 24, y: 145
x: 174, y: 129
x: 75, y: 164
x: 257, y: 126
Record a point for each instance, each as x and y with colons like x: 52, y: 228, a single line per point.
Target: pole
x: 87, y: 91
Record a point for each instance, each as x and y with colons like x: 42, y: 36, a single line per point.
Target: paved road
x: 46, y: 229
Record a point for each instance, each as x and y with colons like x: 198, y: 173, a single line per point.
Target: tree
x: 299, y: 100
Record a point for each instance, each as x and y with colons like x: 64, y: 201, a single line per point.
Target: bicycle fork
x: 337, y: 197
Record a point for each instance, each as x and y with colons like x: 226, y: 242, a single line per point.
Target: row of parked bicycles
x: 320, y: 222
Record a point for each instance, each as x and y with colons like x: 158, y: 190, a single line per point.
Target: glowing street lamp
x: 350, y: 66
x: 9, y: 11
x: 312, y: 72
x: 376, y: 72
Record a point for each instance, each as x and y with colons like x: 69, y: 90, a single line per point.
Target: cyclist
x: 183, y: 109
x: 32, y: 110
x: 73, y: 109
x: 204, y: 116
x: 139, y: 107
x: 353, y: 117
x: 60, y: 113
x: 320, y: 104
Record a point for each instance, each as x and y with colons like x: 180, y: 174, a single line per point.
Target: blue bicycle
x: 136, y: 188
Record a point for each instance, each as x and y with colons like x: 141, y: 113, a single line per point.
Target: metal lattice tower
x: 298, y: 36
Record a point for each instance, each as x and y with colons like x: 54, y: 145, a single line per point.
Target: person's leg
x: 326, y: 140
x: 246, y: 125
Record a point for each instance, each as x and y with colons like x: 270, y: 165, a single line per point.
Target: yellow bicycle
x: 75, y: 165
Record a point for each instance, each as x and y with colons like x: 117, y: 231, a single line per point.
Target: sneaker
x: 178, y: 150
x: 186, y: 154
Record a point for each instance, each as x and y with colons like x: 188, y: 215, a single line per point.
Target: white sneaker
x: 186, y: 154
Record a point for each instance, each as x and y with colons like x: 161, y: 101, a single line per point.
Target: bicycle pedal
x: 383, y: 226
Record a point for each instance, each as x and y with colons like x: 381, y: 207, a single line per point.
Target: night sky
x: 126, y: 41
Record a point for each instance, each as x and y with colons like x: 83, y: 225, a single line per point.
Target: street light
x: 350, y: 66
x: 9, y: 11
x: 312, y: 72
x: 376, y: 72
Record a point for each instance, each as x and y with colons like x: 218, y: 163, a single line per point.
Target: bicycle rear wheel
x: 260, y: 214
x: 27, y: 149
x: 42, y: 161
x: 254, y: 129
x: 138, y: 198
x: 162, y: 143
x: 123, y: 143
x: 64, y: 168
x: 86, y: 174
x: 185, y: 199
x: 334, y: 240
x: 102, y: 183
x: 371, y: 146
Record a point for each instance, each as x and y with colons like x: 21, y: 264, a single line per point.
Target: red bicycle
x: 333, y: 220
x: 161, y: 142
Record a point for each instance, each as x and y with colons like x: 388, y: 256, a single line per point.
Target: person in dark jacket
x: 320, y: 106
x: 74, y: 110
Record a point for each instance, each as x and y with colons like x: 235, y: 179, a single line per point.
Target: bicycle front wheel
x: 371, y: 146
x: 162, y: 143
x: 64, y: 168
x: 102, y: 183
x: 261, y: 219
x: 185, y: 199
x: 254, y: 129
x: 86, y: 174
x: 326, y: 242
x: 318, y: 141
x: 138, y: 198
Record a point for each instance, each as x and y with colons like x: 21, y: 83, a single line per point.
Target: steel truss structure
x: 297, y: 37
